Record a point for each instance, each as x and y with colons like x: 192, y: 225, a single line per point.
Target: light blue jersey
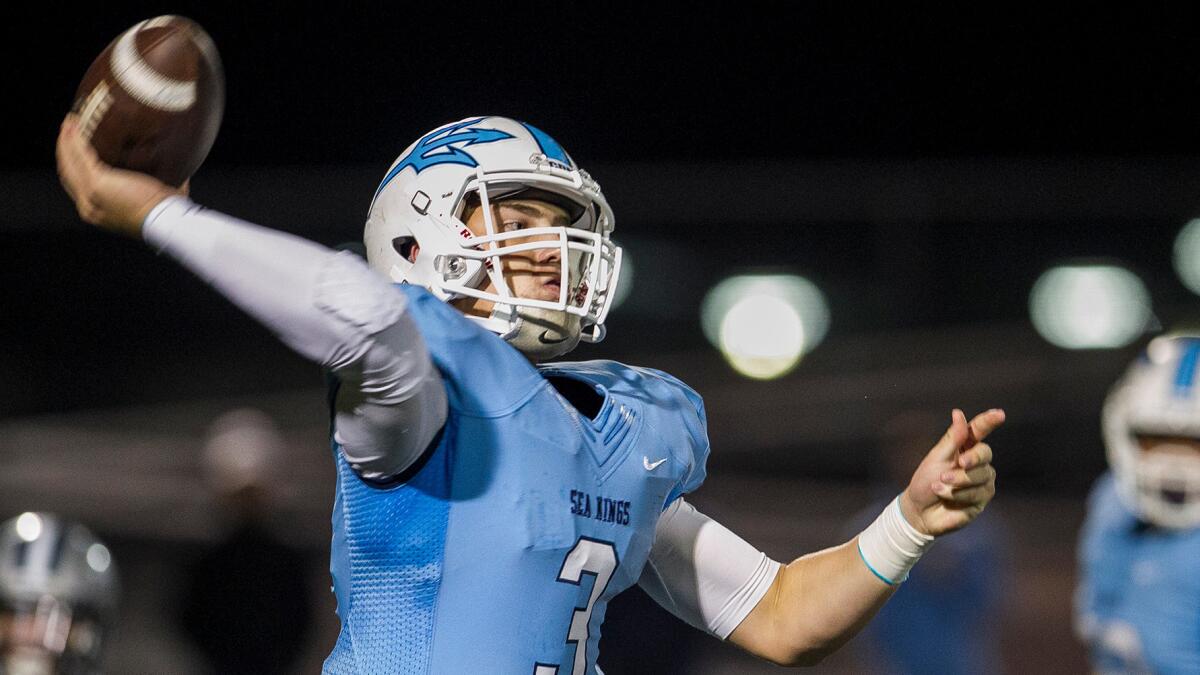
x: 501, y: 549
x: 1138, y: 602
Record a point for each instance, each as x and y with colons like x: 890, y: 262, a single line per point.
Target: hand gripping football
x: 152, y: 101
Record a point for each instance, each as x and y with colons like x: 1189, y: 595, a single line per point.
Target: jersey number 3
x: 599, y: 559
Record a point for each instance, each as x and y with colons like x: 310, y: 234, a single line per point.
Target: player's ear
x: 406, y: 247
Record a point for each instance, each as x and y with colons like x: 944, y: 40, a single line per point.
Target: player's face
x: 1170, y: 445
x: 533, y: 274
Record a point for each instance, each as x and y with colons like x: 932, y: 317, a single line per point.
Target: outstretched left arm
x: 821, y: 600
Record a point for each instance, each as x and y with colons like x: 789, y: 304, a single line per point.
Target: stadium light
x: 625, y: 283
x: 29, y: 526
x: 98, y: 557
x: 1187, y: 255
x: 1089, y: 306
x: 764, y: 323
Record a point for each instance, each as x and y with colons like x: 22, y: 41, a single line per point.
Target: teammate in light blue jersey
x: 1138, y: 600
x: 489, y: 504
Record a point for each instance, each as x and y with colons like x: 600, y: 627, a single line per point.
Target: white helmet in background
x: 423, y: 199
x: 1159, y: 396
x: 58, y: 596
x: 243, y: 450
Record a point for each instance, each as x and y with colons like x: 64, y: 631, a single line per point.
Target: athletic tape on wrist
x: 890, y: 546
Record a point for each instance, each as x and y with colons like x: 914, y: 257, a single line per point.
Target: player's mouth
x: 546, y: 287
x: 550, y: 288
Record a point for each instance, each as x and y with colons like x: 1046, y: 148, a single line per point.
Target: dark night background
x: 922, y: 164
x: 313, y: 84
x: 723, y: 90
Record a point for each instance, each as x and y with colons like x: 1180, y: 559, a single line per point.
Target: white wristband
x: 890, y: 546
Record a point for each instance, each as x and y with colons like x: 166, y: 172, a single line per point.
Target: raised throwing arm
x: 328, y: 306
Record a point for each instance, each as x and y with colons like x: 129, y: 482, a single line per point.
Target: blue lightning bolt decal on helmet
x: 425, y: 153
x: 550, y: 147
x: 1185, y: 377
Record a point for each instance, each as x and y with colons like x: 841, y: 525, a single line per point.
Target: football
x: 152, y: 101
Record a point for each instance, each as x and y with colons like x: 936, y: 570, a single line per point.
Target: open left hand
x: 115, y: 199
x: 956, y: 480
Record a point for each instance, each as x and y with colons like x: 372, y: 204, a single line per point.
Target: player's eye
x: 511, y: 225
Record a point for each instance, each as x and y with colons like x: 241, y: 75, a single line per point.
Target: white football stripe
x: 199, y: 38
x: 143, y: 82
x: 158, y: 21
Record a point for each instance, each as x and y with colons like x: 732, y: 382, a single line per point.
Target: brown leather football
x: 152, y: 101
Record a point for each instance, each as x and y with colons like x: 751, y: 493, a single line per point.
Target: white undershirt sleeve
x: 703, y: 573
x: 332, y: 309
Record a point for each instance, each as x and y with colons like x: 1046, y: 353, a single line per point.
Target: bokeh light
x: 764, y: 323
x: 1187, y: 255
x: 1089, y: 306
x: 98, y: 557
x: 625, y: 282
x: 29, y: 526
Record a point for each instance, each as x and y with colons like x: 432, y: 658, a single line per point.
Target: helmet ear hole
x: 406, y: 246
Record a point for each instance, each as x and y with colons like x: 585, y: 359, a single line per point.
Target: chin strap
x: 593, y: 333
x: 544, y: 334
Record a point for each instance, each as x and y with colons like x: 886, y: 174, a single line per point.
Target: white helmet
x: 1159, y: 395
x: 423, y: 198
x: 58, y: 595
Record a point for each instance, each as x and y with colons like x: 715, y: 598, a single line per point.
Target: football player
x: 244, y: 600
x: 490, y: 504
x: 1138, y: 600
x: 58, y: 597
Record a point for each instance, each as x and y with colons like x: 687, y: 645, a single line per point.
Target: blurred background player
x: 946, y: 617
x: 1138, y: 600
x: 246, y: 606
x: 58, y: 596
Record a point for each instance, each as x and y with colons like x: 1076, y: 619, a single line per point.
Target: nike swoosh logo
x: 650, y: 466
x: 544, y: 340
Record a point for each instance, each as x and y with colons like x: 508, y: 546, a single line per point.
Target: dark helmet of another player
x: 58, y: 596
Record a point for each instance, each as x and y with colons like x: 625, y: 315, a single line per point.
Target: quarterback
x: 490, y: 503
x: 1138, y: 601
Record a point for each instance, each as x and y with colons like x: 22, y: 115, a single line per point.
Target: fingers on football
x: 979, y: 455
x: 66, y: 171
x: 73, y: 164
x: 79, y: 168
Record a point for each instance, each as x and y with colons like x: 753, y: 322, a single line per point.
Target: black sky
x: 318, y: 85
